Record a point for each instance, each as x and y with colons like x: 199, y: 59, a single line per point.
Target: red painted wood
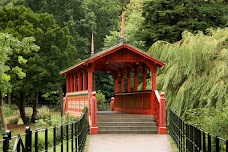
x: 90, y: 78
x: 112, y: 104
x: 116, y: 77
x: 85, y: 80
x: 144, y: 78
x: 133, y: 102
x: 160, y: 113
x: 128, y: 81
x: 80, y: 81
x: 67, y: 83
x: 93, y: 117
x: 136, y: 79
x: 122, y: 82
x: 76, y: 83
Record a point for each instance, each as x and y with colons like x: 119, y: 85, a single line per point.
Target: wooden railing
x: 75, y: 102
x: 160, y: 112
x: 133, y: 102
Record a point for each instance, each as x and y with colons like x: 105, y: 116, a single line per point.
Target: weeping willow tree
x: 196, y: 74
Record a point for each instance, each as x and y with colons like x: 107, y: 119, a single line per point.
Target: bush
x: 101, y: 101
x: 13, y: 119
x: 212, y: 120
x: 9, y: 110
x: 28, y: 111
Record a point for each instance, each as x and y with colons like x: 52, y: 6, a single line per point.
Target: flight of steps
x: 119, y: 123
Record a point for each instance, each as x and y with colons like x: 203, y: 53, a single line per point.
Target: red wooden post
x: 79, y: 81
x: 93, y: 128
x: 162, y: 114
x: 85, y: 80
x: 136, y: 79
x: 128, y: 81
x: 76, y: 82
x: 144, y: 78
x: 112, y: 104
x: 153, y: 87
x: 116, y: 82
x: 122, y: 81
x: 67, y: 84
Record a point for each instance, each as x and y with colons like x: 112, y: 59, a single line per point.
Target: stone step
x: 127, y: 132
x: 126, y: 124
x: 124, y: 116
x: 127, y: 128
x: 124, y: 120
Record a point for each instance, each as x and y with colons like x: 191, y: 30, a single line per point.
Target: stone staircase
x: 120, y: 123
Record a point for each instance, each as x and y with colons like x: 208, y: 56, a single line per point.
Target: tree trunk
x: 21, y: 105
x: 2, y: 119
x: 9, y: 98
x: 34, y: 107
x: 61, y: 99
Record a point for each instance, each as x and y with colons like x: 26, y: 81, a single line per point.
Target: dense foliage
x: 167, y: 19
x: 196, y: 72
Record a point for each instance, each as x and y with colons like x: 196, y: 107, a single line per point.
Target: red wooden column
x: 122, y: 81
x: 67, y: 83
x: 116, y: 77
x: 80, y: 81
x: 85, y: 80
x: 144, y: 78
x: 75, y: 82
x: 153, y: 87
x: 128, y: 81
x: 72, y: 82
x: 93, y: 127
x: 90, y: 79
x: 162, y: 115
x: 136, y: 79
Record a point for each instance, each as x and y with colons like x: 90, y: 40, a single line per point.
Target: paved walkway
x: 129, y: 143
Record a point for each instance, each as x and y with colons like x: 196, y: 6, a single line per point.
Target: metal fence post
x: 209, y: 142
x: 217, y: 144
x: 6, y: 138
x: 28, y: 139
x: 227, y: 145
x: 54, y: 131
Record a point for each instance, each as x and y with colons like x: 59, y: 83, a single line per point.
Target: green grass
x: 86, y: 149
x: 173, y: 145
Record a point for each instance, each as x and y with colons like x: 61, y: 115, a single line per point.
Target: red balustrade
x: 160, y: 112
x: 134, y: 102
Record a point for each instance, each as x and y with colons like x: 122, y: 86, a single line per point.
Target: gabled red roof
x: 111, y: 50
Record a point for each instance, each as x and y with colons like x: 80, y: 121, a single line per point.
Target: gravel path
x: 129, y: 143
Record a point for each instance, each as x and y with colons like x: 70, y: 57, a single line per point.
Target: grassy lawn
x: 86, y: 149
x: 173, y: 145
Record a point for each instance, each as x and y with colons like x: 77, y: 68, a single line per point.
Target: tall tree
x: 167, y: 19
x: 196, y: 72
x: 56, y: 51
x: 133, y: 24
x: 11, y: 47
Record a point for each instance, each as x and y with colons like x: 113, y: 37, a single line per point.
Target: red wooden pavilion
x: 123, y: 61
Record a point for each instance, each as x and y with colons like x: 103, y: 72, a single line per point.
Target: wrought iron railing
x: 189, y: 138
x: 66, y: 137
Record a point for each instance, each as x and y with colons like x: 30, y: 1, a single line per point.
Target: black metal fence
x: 188, y: 138
x: 67, y: 137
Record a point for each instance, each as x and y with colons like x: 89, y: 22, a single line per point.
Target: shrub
x: 28, y: 111
x: 13, y: 119
x: 101, y: 101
